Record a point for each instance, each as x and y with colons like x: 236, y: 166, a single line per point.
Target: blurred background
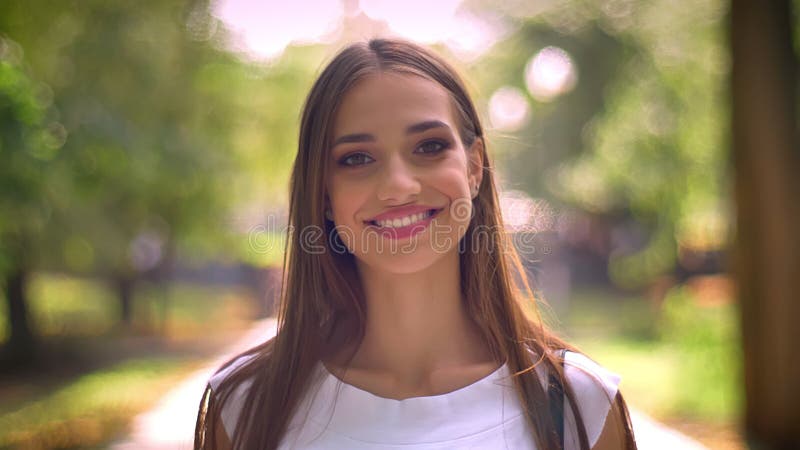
x: 145, y: 149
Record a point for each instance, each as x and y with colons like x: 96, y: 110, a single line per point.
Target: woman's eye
x: 432, y: 146
x: 355, y: 159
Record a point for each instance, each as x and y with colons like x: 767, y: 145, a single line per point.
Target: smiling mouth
x: 410, y: 220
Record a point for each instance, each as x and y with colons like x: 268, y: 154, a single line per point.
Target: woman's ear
x: 475, y: 166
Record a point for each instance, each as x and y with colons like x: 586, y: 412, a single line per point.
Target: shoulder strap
x: 555, y: 393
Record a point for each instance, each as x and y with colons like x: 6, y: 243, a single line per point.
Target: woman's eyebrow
x: 425, y: 126
x: 412, y: 129
x: 349, y: 138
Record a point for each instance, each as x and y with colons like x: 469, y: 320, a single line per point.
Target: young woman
x: 406, y: 319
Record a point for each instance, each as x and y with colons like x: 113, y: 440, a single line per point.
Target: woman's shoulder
x: 229, y: 368
x: 233, y: 395
x: 595, y: 389
x: 587, y: 376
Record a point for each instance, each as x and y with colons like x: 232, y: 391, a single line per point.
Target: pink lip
x: 407, y: 231
x: 401, y: 211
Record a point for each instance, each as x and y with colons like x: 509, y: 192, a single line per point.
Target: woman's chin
x: 402, y: 262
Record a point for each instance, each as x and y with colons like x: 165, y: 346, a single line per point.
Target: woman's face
x: 399, y: 177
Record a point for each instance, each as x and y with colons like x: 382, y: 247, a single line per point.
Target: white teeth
x: 404, y: 221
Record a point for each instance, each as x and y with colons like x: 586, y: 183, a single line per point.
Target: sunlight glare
x: 419, y: 20
x: 472, y: 35
x: 550, y: 73
x: 522, y: 213
x: 508, y: 109
x: 264, y: 28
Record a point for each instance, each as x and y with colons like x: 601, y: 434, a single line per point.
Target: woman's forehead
x: 391, y: 101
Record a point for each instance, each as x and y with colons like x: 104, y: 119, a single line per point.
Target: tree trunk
x: 124, y: 286
x: 20, y: 347
x: 767, y: 191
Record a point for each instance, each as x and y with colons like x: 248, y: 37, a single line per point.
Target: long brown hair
x: 323, y: 307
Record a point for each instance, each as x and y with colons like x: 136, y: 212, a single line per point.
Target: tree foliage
x: 644, y: 132
x: 131, y: 133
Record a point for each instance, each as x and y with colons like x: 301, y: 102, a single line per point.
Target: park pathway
x: 170, y: 424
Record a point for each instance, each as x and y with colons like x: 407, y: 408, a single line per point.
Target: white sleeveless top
x: 483, y: 415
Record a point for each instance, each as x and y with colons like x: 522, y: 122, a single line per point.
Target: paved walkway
x: 170, y: 424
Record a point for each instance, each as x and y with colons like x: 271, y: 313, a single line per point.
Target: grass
x: 649, y: 374
x: 185, y: 311
x: 94, y: 408
x: 61, y: 305
x: 95, y: 375
x: 678, y: 361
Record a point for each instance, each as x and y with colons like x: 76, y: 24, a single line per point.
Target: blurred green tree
x: 29, y: 139
x: 145, y: 159
x: 642, y: 134
x: 168, y: 142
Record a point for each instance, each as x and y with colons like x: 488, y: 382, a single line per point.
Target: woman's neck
x: 417, y: 326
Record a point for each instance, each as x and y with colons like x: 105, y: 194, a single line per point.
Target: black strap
x: 555, y: 393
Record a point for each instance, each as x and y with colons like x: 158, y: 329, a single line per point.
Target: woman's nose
x: 398, y: 182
